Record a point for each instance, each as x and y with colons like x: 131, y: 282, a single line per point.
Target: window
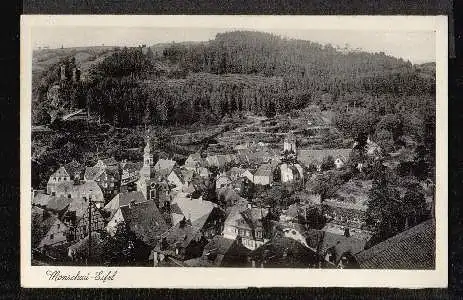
x: 69, y: 195
x: 51, y: 236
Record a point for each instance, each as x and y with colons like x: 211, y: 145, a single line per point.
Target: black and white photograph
x: 239, y: 146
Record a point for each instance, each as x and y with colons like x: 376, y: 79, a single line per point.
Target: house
x: 289, y: 143
x: 72, y: 171
x: 92, y: 220
x: 58, y: 205
x: 222, y: 181
x: 61, y: 175
x: 142, y: 219
x: 109, y: 182
x: 246, y: 223
x: 164, y: 167
x: 47, y: 229
x: 339, y: 240
x: 176, y: 180
x: 110, y: 162
x: 315, y: 157
x: 284, y: 252
x: 263, y: 175
x: 235, y: 173
x: 41, y: 199
x: 78, y: 191
x: 180, y: 243
x: 222, y: 252
x: 124, y: 199
x: 79, y: 250
x: 192, y: 209
x: 411, y: 249
x: 247, y: 174
x: 194, y: 161
x: 290, y: 172
x: 130, y: 172
x: 203, y: 172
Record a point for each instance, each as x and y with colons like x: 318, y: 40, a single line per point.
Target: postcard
x: 233, y: 151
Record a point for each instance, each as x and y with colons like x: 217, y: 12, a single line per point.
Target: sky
x: 415, y: 46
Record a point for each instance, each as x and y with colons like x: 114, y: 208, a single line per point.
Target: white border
x: 34, y: 276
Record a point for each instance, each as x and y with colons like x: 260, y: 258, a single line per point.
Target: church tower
x: 147, y: 160
x: 289, y: 143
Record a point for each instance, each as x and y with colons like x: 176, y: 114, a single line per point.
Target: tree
x: 327, y: 163
x: 384, y: 208
x: 391, y: 123
x: 385, y: 140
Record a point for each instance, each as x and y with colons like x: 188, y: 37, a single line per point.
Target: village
x: 255, y: 206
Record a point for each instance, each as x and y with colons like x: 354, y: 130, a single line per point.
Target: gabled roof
x: 41, y: 225
x: 41, y: 199
x: 81, y: 190
x: 145, y: 221
x: 124, y: 199
x: 81, y: 247
x: 193, y: 209
x: 411, y: 249
x: 264, y: 170
x: 61, y: 172
x: 221, y: 251
x: 341, y: 244
x: 58, y: 203
x: 164, y: 166
x: 285, y: 252
x: 91, y: 173
x: 179, y: 235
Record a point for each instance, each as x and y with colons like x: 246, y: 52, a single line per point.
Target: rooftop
x: 145, y: 221
x: 411, y: 249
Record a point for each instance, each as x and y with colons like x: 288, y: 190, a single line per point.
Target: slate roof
x: 80, y: 190
x: 91, y: 173
x: 81, y: 247
x: 411, y: 249
x: 145, y: 221
x: 221, y: 252
x: 41, y: 224
x: 264, y: 170
x: 179, y: 235
x: 315, y: 156
x: 58, y: 203
x: 61, y: 172
x: 284, y: 252
x: 163, y: 167
x: 124, y: 199
x: 41, y: 199
x: 191, y: 208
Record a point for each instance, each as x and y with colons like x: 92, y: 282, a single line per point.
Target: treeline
x: 249, y: 71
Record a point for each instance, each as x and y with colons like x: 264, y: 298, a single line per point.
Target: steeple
x: 147, y: 159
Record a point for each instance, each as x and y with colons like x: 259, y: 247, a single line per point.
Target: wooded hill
x: 243, y: 71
